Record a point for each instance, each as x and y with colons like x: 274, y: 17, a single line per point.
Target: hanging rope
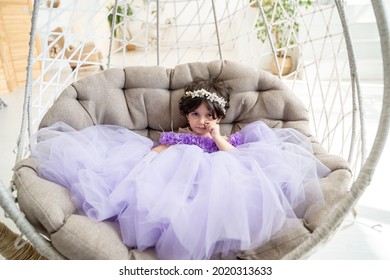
x: 114, y: 11
x: 217, y: 30
x: 270, y: 39
x: 158, y: 32
x: 26, y: 118
x: 356, y: 94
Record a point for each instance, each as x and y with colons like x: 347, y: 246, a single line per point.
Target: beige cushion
x: 144, y: 99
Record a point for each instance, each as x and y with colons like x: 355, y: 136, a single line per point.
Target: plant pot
x: 285, y: 63
x: 56, y: 3
x: 131, y: 47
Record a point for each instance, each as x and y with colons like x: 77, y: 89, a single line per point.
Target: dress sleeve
x: 169, y: 138
x: 236, y: 139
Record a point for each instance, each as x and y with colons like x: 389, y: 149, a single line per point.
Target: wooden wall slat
x: 15, y: 26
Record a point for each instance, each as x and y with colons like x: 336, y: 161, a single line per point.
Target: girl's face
x: 198, y: 119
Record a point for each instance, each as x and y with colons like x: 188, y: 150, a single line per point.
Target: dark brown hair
x: 188, y: 104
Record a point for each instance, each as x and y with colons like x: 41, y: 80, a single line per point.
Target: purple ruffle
x: 206, y: 143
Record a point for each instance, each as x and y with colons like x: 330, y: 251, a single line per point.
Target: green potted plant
x: 122, y: 30
x: 280, y: 16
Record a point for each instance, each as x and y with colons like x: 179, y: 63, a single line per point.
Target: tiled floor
x: 366, y: 237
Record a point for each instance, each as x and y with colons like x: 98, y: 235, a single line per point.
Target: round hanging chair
x: 290, y: 64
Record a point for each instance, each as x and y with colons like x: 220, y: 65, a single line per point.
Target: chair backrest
x: 145, y: 98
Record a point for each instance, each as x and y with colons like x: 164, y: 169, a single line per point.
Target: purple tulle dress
x: 190, y: 201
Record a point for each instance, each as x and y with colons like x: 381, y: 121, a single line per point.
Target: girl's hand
x: 213, y: 128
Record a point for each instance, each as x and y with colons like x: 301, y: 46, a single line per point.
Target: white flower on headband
x: 213, y: 97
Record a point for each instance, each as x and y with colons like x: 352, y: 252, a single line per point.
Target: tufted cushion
x: 144, y: 99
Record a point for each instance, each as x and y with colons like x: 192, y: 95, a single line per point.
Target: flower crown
x: 213, y: 97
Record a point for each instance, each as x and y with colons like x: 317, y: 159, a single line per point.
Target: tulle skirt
x: 184, y: 202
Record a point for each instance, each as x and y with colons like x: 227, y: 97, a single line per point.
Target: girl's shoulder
x: 184, y: 130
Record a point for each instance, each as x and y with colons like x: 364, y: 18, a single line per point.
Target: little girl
x: 204, y: 110
x: 196, y: 195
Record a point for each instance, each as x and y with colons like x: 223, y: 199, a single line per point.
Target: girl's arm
x: 160, y: 148
x: 221, y: 141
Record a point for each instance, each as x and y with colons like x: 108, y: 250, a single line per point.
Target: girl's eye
x: 194, y: 114
x: 210, y: 116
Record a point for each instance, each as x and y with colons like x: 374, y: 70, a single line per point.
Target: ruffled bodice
x: 206, y: 143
